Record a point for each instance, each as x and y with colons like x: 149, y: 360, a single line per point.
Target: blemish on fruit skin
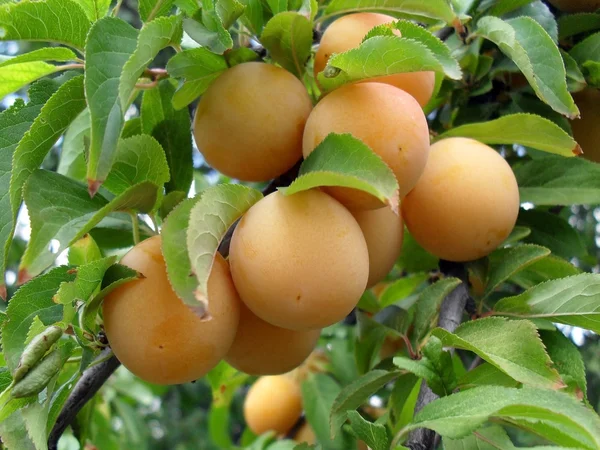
x: 298, y: 297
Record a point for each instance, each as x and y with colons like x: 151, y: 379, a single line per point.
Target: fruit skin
x: 249, y: 123
x: 465, y: 204
x: 385, y: 118
x: 347, y: 33
x: 305, y: 434
x: 585, y: 129
x: 299, y: 262
x: 383, y: 231
x: 260, y: 348
x: 273, y: 403
x: 154, y: 334
x: 576, y: 5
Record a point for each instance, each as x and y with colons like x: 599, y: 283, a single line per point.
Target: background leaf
x: 434, y: 9
x: 567, y: 360
x: 374, y: 435
x: 149, y: 9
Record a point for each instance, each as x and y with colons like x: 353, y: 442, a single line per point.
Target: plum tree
x: 299, y: 262
x: 273, y: 403
x: 576, y: 5
x: 260, y: 348
x: 249, y: 123
x: 396, y: 130
x: 305, y: 434
x: 465, y: 204
x: 347, y: 32
x: 585, y: 129
x: 154, y: 334
x: 383, y: 230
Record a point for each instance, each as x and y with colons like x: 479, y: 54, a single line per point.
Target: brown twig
x: 451, y: 313
x: 90, y: 382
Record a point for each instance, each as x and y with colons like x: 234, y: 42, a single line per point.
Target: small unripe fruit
x: 383, y: 231
x: 465, y: 204
x: 249, y: 122
x: 576, y: 5
x: 299, y: 262
x: 154, y: 334
x: 386, y: 119
x: 273, y: 403
x: 347, y: 33
x: 260, y: 348
x: 586, y: 129
x: 305, y: 434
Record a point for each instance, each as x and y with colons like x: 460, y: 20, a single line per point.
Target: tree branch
x: 450, y: 317
x: 90, y: 382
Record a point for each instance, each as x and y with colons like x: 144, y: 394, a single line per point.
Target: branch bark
x: 451, y: 313
x: 87, y: 386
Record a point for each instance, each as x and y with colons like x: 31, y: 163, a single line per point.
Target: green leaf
x: 343, y: 160
x: 72, y: 159
x: 132, y: 127
x: 413, y: 257
x: 355, y: 394
x: 427, y: 308
x: 31, y: 300
x: 558, y: 181
x: 211, y: 32
x: 435, y: 367
x: 541, y: 13
x: 572, y: 24
x: 152, y: 38
x: 149, y: 9
x: 553, y: 232
x: 61, y: 209
x: 138, y: 158
x: 549, y: 268
x: 486, y: 374
x: 219, y: 207
x: 172, y: 129
x: 382, y: 55
x: 374, y: 435
x: 523, y: 357
x: 240, y: 55
x: 556, y: 416
x: 434, y: 9
x: 490, y: 438
x: 42, y: 54
x: 254, y: 16
x: 319, y: 392
x: 401, y: 289
x: 177, y: 258
x: 502, y: 7
x: 84, y: 251
x: 513, y: 260
x: 524, y: 129
x: 567, y: 360
x: 575, y: 79
x: 110, y: 44
x: 198, y: 68
x: 229, y: 11
x: 573, y: 301
x: 95, y: 9
x: 60, y: 21
x: 14, y: 123
x: 403, y: 399
x: 533, y: 51
x: 55, y: 116
x: 87, y: 280
x: 288, y: 38
x: 587, y: 50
